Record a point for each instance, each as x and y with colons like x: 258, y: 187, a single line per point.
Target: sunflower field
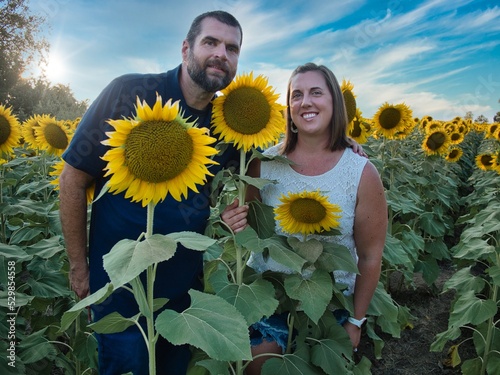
x: 442, y: 182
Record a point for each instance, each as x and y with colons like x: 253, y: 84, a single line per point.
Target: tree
x: 481, y: 119
x: 36, y: 96
x: 20, y: 43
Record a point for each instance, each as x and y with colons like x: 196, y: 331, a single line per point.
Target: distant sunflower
x: 485, y: 161
x: 10, y: 130
x: 456, y: 138
x: 359, y: 128
x: 436, y: 142
x: 247, y: 113
x: 57, y: 169
x: 349, y: 99
x: 433, y: 125
x: 52, y: 135
x: 29, y: 128
x: 306, y: 213
x: 492, y: 130
x: 454, y: 154
x: 392, y: 121
x: 156, y: 153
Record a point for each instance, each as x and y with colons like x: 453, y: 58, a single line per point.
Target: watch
x: 356, y: 322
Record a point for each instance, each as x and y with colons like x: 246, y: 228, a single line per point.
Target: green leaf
x: 442, y: 338
x: 261, y: 218
x: 283, y: 255
x: 192, y: 240
x: 463, y: 281
x: 36, y: 347
x: 313, y: 293
x: 211, y: 324
x: 213, y: 366
x: 470, y: 309
x: 330, y: 354
x: 22, y: 299
x: 429, y: 267
x: 310, y: 250
x: 253, y: 301
x: 46, y: 248
x: 85, y: 348
x: 113, y: 323
x: 14, y: 252
x: 471, y: 366
x: 289, y: 364
x: 47, y: 280
x: 473, y: 249
x: 336, y: 257
x: 128, y: 258
x: 494, y: 272
x: 95, y: 298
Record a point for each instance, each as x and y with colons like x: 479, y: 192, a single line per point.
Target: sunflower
x: 52, y: 135
x: 492, y: 130
x: 436, y: 142
x: 393, y: 121
x: 432, y: 126
x: 456, y: 137
x: 359, y: 128
x: 247, y: 113
x: 10, y: 130
x: 485, y: 161
x: 29, y: 128
x: 454, y: 154
x: 156, y: 153
x: 306, y: 213
x: 57, y: 168
x: 349, y: 99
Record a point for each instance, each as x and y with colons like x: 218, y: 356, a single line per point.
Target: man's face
x: 213, y: 59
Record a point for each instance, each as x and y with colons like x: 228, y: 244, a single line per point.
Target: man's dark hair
x: 220, y: 16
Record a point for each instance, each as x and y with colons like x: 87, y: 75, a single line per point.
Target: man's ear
x: 184, y: 50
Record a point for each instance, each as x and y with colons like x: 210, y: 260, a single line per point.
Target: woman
x: 317, y: 144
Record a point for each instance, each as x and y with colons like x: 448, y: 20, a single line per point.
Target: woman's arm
x: 370, y: 227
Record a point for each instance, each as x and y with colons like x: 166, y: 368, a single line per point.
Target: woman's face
x: 311, y: 104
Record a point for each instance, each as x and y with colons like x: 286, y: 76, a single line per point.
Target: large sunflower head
x: 156, y: 153
x: 436, y: 142
x: 394, y: 121
x: 52, y: 135
x: 306, y: 213
x: 247, y: 113
x: 349, y: 99
x: 10, y: 130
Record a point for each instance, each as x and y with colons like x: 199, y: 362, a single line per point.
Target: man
x: 210, y: 55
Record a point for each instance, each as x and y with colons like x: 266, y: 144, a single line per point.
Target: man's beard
x: 199, y: 75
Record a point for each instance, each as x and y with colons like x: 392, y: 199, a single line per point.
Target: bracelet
x: 356, y: 322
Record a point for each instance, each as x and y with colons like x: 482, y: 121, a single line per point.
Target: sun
x: 55, y: 69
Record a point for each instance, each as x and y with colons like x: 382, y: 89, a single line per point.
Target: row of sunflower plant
x: 423, y: 170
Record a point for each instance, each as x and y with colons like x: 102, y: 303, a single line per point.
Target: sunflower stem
x: 241, y: 183
x: 151, y: 275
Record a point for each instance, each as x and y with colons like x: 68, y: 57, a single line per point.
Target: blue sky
x: 440, y: 57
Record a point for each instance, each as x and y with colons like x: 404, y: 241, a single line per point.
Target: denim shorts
x: 275, y: 328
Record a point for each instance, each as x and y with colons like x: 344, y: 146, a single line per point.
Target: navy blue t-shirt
x: 114, y: 218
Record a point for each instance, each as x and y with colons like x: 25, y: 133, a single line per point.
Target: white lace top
x: 340, y: 184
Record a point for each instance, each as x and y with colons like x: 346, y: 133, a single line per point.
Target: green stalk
x: 151, y: 275
x: 489, y: 333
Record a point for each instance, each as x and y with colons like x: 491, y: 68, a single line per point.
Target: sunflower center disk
x: 247, y: 110
x: 306, y: 210
x: 56, y: 137
x: 350, y: 105
x: 436, y: 140
x: 389, y: 118
x: 4, y: 129
x: 158, y: 151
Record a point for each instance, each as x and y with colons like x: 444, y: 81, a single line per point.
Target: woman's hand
x: 235, y: 216
x: 354, y: 333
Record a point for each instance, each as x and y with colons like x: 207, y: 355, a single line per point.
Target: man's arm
x: 73, y: 213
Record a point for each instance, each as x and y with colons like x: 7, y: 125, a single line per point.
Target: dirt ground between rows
x: 410, y: 354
